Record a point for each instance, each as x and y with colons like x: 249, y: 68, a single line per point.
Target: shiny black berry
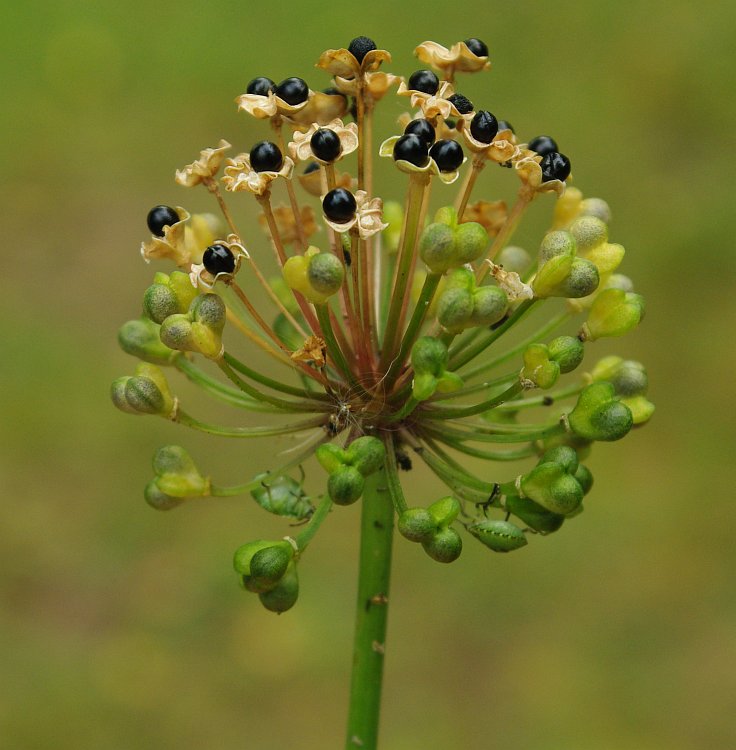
x: 332, y: 91
x: 423, y: 128
x: 478, y: 48
x: 555, y: 166
x: 425, y: 81
x: 360, y: 47
x: 311, y: 167
x: 160, y: 217
x: 462, y: 104
x: 543, y: 145
x: 339, y: 205
x: 266, y: 157
x: 484, y: 126
x: 411, y: 148
x: 293, y: 91
x: 505, y: 125
x: 260, y: 86
x: 447, y: 154
x: 325, y: 144
x: 218, y: 259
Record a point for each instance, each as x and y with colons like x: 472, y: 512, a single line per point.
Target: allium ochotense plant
x: 391, y: 329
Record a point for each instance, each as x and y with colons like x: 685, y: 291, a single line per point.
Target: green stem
x: 511, y: 353
x: 333, y: 348
x: 458, y: 358
x: 246, y: 432
x: 456, y: 412
x: 392, y: 475
x: 545, y: 400
x: 376, y: 533
x: 304, y: 537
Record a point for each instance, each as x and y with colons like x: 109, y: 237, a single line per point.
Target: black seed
x: 423, y: 128
x: 555, y: 166
x: 543, y: 145
x: 403, y: 460
x: 218, y: 259
x: 462, y: 104
x: 293, y: 91
x: 425, y: 81
x: 451, y: 123
x: 160, y: 217
x: 484, y: 126
x: 334, y: 92
x: 411, y: 148
x: 325, y: 144
x: 348, y: 257
x: 447, y: 154
x: 354, y: 109
x: 266, y: 157
x: 548, y: 401
x: 311, y: 167
x: 339, y: 205
x: 478, y: 48
x: 505, y: 125
x: 360, y: 47
x: 260, y: 86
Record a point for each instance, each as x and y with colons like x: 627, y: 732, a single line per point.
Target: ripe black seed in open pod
x: 543, y: 145
x: 266, y: 156
x: 325, y: 144
x: 411, y: 148
x: 160, y: 217
x: 360, y: 47
x: 555, y: 166
x: 425, y: 81
x: 260, y: 86
x: 505, y: 125
x: 462, y: 104
x: 423, y: 128
x: 447, y: 154
x: 484, y: 126
x: 339, y: 205
x: 293, y: 91
x: 218, y: 258
x: 477, y: 47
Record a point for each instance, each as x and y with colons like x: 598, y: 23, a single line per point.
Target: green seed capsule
x: 158, y: 499
x: 141, y: 339
x: 444, y: 511
x: 267, y: 567
x: 563, y: 455
x: 177, y: 474
x: 346, y: 485
x: 437, y: 247
x: 567, y: 351
x: 588, y: 232
x: 244, y: 554
x: 584, y: 478
x: 444, y: 546
x: 500, y: 536
x: 417, y: 525
x: 284, y: 595
x: 366, y: 454
x: 325, y: 273
x: 599, y: 415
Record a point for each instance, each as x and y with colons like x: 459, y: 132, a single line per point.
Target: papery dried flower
x: 204, y: 168
x: 240, y: 175
x: 459, y: 58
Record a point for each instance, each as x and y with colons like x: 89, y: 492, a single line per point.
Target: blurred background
x: 122, y: 628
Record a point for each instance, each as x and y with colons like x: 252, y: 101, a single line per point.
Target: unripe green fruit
x: 584, y: 478
x: 417, y: 525
x: 563, y: 455
x: 144, y: 396
x: 117, y: 394
x: 284, y: 595
x: 582, y: 280
x: 500, y: 536
x: 141, y: 339
x: 177, y: 474
x: 325, y: 273
x: 244, y: 554
x: 454, y: 309
x: 267, y: 567
x: 159, y: 301
x: 429, y: 355
x: 210, y: 311
x: 490, y: 304
x: 158, y: 499
x: 534, y: 515
x: 556, y: 243
x: 614, y: 313
x: 599, y: 415
x: 630, y: 379
x: 471, y: 239
x: 436, y: 247
x: 331, y: 457
x: 444, y: 546
x: 345, y: 486
x: 366, y: 454
x: 444, y: 511
x: 588, y: 232
x: 567, y: 351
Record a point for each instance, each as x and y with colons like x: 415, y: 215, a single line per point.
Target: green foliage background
x: 124, y: 628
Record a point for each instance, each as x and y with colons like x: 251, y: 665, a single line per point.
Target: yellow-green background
x: 124, y: 628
